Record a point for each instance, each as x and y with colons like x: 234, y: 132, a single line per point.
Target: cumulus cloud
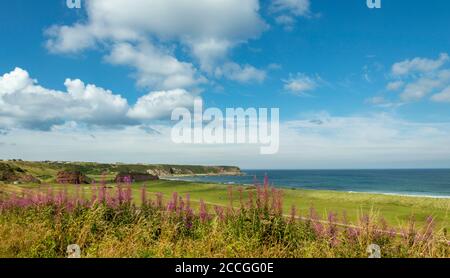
x: 443, y: 96
x: 160, y: 104
x: 418, y: 78
x: 155, y: 67
x: 26, y: 104
x: 287, y: 11
x: 207, y: 29
x: 243, y: 74
x: 395, y: 85
x: 301, y: 83
x: 420, y: 88
x: 419, y: 65
x: 69, y: 39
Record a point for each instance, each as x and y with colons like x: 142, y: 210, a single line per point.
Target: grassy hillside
x: 47, y: 171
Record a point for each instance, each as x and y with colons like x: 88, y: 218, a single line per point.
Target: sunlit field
x: 182, y: 219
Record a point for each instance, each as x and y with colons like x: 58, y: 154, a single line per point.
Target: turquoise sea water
x: 429, y: 182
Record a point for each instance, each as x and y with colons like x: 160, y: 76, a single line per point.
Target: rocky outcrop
x: 158, y: 172
x: 222, y: 170
x: 29, y: 179
x: 195, y: 171
x: 12, y: 174
x: 7, y: 173
x: 135, y: 177
x: 72, y: 177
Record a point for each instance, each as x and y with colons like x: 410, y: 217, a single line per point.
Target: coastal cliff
x: 18, y: 171
x: 171, y: 171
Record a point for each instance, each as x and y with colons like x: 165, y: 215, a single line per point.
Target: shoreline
x: 231, y: 174
x: 393, y: 194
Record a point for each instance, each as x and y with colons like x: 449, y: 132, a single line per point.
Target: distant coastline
x: 420, y: 183
x: 180, y: 178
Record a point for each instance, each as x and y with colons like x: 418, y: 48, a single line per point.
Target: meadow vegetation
x: 173, y: 219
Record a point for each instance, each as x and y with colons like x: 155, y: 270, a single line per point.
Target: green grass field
x: 105, y: 228
x: 396, y: 210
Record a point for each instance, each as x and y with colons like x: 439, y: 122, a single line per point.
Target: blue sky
x: 377, y: 79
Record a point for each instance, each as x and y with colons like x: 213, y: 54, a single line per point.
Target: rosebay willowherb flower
x: 241, y: 197
x: 173, y: 203
x: 159, y: 201
x: 144, y: 195
x: 230, y: 195
x: 102, y: 194
x: 188, y: 201
x: 120, y: 194
x: 332, y: 225
x: 259, y: 197
x: 315, y: 223
x: 93, y: 193
x: 219, y: 212
x: 250, y: 204
x: 111, y: 201
x: 332, y: 233
x: 293, y: 214
x: 128, y: 193
x: 266, y: 192
x: 279, y: 202
x: 203, y: 213
x: 429, y: 228
x: 181, y: 205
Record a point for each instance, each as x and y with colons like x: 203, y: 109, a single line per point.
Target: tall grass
x: 111, y: 224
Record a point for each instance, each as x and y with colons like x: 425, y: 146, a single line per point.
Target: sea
x: 408, y: 182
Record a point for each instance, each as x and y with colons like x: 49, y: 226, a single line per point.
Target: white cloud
x: 348, y: 142
x: 232, y: 20
x: 419, y: 89
x: 443, y: 96
x: 274, y: 67
x: 208, y: 29
x: 160, y: 104
x: 25, y: 104
x: 287, y: 11
x: 296, y: 7
x: 69, y: 39
x: 376, y: 100
x: 300, y: 83
x: 419, y: 65
x: 382, y: 102
x: 210, y: 52
x: 395, y: 85
x: 243, y: 74
x: 286, y: 20
x: 155, y: 68
x: 314, y: 141
x: 419, y: 77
